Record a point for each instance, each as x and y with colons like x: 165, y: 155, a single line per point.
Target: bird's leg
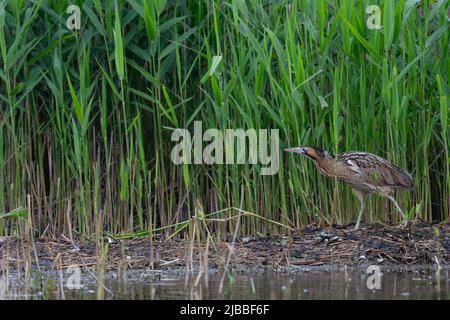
x: 405, y: 220
x: 360, y: 196
x: 361, y: 209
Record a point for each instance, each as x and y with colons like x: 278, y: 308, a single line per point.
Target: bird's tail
x: 409, y: 180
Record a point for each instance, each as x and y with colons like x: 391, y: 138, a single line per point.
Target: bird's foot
x: 402, y: 225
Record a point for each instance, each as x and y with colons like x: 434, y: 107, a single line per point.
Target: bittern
x: 366, y: 173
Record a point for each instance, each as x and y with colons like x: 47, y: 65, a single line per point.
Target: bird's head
x: 312, y: 153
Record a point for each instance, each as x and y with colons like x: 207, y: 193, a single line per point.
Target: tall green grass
x: 87, y: 115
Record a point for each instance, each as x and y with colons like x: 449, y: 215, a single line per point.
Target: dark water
x: 304, y: 284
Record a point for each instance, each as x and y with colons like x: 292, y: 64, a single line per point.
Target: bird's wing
x: 375, y: 170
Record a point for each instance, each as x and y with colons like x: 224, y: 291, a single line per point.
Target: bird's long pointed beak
x: 299, y: 150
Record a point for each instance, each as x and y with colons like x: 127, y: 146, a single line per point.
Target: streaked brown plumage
x: 366, y: 173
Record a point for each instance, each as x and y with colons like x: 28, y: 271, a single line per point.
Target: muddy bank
x: 418, y: 244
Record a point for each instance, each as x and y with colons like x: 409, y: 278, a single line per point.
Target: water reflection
x: 147, y: 284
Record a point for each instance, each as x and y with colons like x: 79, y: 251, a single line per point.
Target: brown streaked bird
x: 366, y: 173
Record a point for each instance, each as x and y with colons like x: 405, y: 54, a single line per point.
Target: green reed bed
x: 87, y: 115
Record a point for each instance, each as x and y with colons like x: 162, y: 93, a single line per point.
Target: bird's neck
x: 327, y: 167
